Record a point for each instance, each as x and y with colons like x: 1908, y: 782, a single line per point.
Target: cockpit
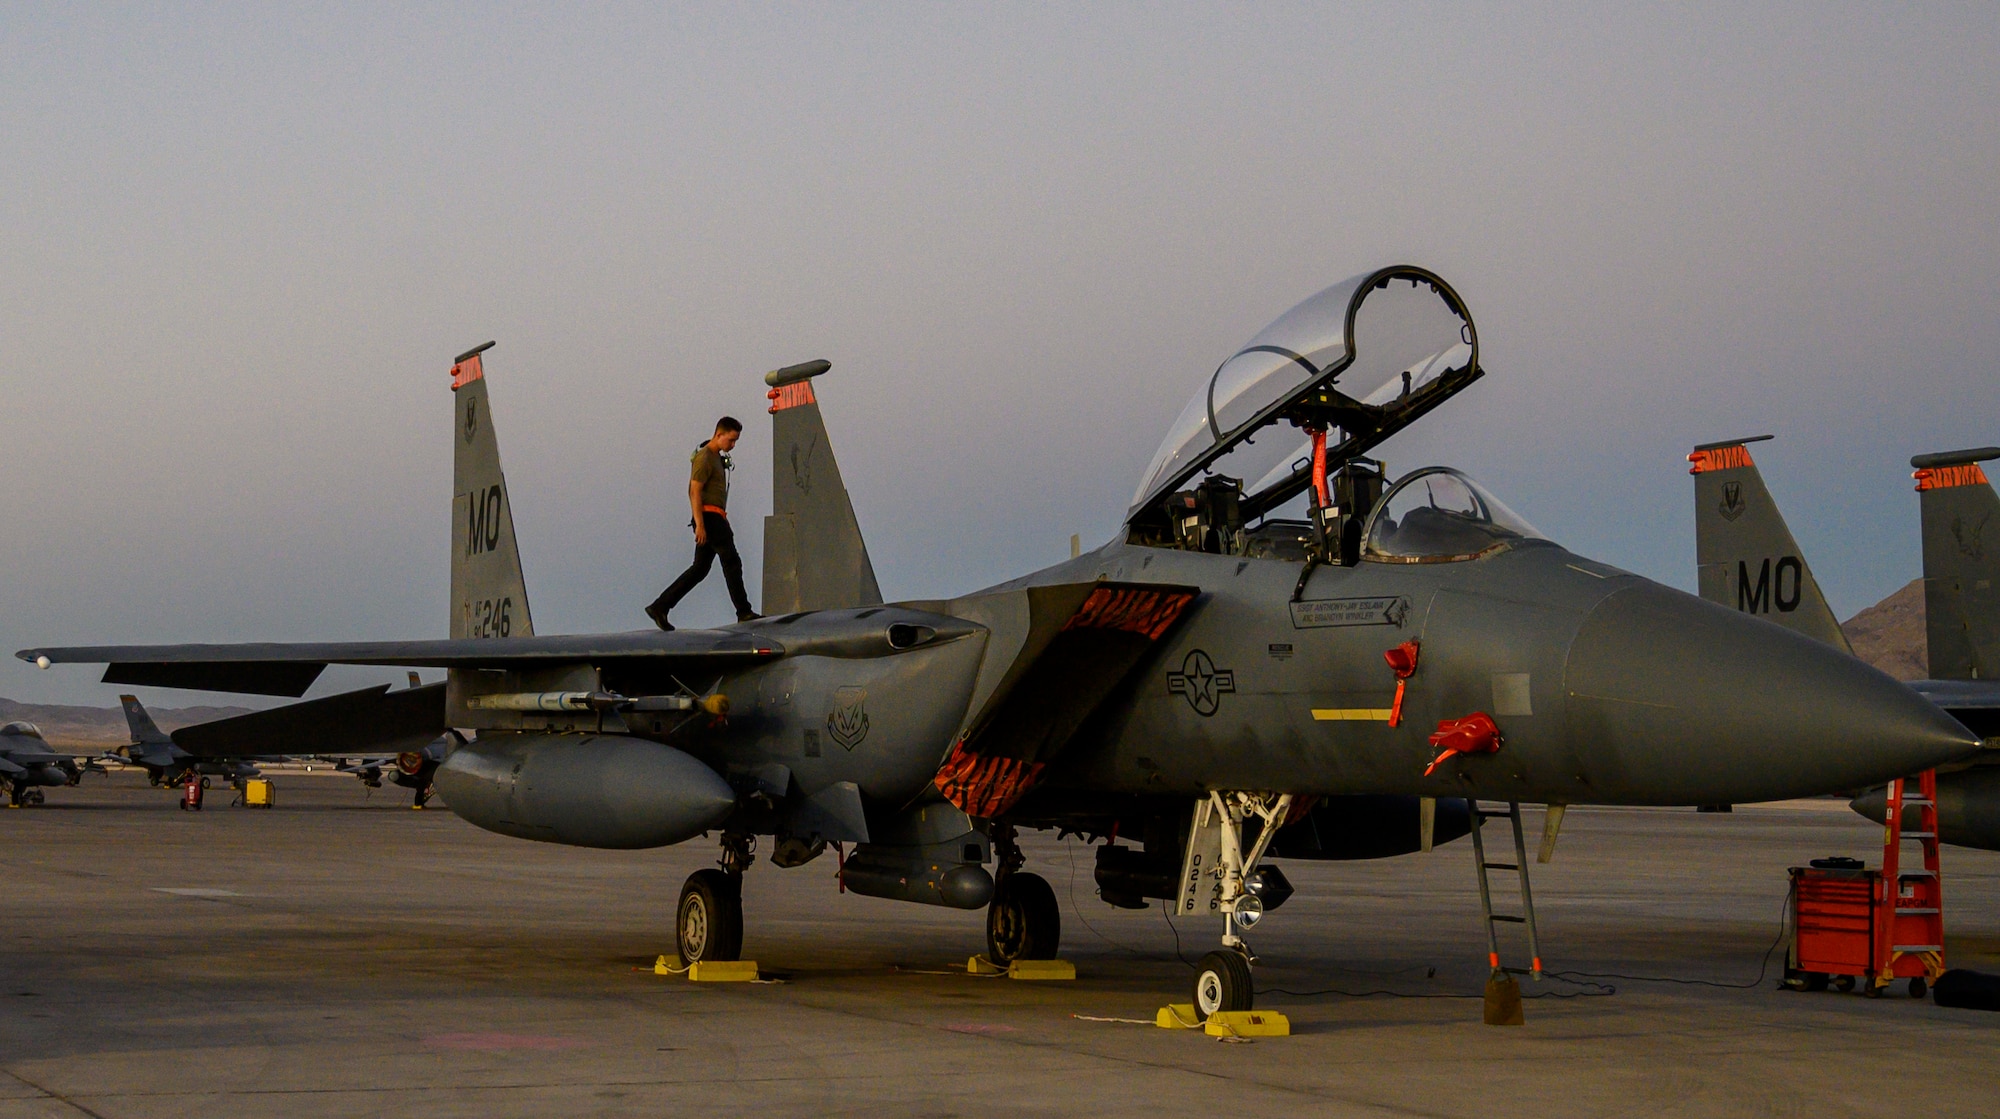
x: 1295, y: 411
x: 1438, y: 515
x: 21, y: 730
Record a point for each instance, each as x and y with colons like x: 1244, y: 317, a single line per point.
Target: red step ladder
x: 1909, y: 904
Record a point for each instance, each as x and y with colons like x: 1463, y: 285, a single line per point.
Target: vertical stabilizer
x: 1745, y: 555
x: 145, y: 732
x: 1961, y: 610
x: 489, y: 597
x: 814, y: 557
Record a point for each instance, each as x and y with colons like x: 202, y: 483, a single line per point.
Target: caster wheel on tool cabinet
x: 1222, y: 982
x: 1844, y: 983
x: 1816, y: 981
x: 1022, y: 921
x: 1918, y: 987
x: 709, y: 920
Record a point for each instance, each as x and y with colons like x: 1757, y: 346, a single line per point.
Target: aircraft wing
x: 289, y: 669
x: 369, y: 719
x: 34, y: 756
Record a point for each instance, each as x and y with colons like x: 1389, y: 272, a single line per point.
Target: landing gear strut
x: 1022, y: 921
x: 1218, y: 865
x: 709, y: 920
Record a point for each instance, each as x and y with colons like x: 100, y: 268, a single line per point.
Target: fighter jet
x: 1748, y: 560
x: 27, y: 765
x: 1214, y: 676
x: 153, y: 750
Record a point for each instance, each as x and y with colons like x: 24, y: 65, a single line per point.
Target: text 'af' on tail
x: 1961, y: 609
x: 1745, y: 555
x: 489, y: 596
x: 814, y: 557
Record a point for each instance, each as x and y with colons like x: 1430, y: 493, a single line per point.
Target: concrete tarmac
x: 341, y: 955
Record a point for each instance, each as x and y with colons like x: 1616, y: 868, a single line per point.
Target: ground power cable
x: 1763, y: 965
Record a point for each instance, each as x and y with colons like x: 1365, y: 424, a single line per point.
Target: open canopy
x: 1351, y: 355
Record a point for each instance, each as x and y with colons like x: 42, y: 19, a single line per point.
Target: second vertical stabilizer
x: 1961, y: 608
x: 489, y: 596
x: 814, y: 557
x: 1745, y: 555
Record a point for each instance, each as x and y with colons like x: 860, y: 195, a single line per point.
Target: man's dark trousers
x: 721, y: 542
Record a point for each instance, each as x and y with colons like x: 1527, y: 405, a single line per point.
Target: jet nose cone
x: 1674, y: 700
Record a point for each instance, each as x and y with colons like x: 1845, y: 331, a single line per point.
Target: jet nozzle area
x: 1673, y: 700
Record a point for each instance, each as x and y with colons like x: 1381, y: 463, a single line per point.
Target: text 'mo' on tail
x: 489, y: 596
x: 814, y: 557
x: 1961, y: 610
x: 1745, y: 555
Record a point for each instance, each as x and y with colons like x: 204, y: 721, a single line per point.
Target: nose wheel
x: 1222, y: 982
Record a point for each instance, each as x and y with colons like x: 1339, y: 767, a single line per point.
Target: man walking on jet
x: 708, y: 496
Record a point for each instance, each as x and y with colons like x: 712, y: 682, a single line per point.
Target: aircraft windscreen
x: 1406, y: 333
x: 1438, y: 514
x: 21, y: 730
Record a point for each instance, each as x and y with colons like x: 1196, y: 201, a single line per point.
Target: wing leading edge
x: 282, y: 669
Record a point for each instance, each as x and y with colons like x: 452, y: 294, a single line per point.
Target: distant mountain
x: 103, y: 726
x: 1890, y: 634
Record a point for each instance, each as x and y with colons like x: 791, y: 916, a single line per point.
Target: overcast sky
x: 239, y: 247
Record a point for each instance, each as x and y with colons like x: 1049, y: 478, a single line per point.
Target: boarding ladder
x: 1910, y: 907
x: 1519, y: 867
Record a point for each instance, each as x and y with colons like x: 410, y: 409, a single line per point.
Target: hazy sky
x: 239, y: 247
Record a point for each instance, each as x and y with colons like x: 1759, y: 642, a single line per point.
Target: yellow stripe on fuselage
x: 1351, y: 714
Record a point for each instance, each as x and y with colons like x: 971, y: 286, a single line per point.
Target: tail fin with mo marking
x: 489, y: 596
x: 1961, y: 609
x: 1745, y: 555
x: 814, y: 557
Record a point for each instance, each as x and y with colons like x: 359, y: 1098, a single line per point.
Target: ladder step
x: 1900, y: 911
x: 1509, y: 920
x: 1498, y: 866
x: 1918, y: 835
x: 1913, y: 801
x: 1916, y: 948
x: 1916, y: 874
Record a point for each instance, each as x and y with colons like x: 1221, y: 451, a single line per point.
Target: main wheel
x: 1222, y: 982
x: 709, y: 922
x: 1022, y: 921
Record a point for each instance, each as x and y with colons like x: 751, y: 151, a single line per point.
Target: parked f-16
x: 1216, y: 683
x: 165, y: 763
x: 27, y: 765
x: 1748, y: 560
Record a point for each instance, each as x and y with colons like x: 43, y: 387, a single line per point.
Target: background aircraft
x: 1750, y: 563
x: 1213, y: 675
x: 166, y: 763
x: 28, y: 766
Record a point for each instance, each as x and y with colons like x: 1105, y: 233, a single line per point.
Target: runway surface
x: 341, y: 955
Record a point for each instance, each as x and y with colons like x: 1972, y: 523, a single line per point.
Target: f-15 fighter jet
x: 1212, y: 678
x: 1749, y: 561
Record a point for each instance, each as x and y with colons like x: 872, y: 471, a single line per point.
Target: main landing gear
x: 1022, y: 921
x: 1221, y: 876
x: 709, y: 920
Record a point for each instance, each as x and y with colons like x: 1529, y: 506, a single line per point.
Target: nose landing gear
x: 709, y: 919
x: 1220, y: 876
